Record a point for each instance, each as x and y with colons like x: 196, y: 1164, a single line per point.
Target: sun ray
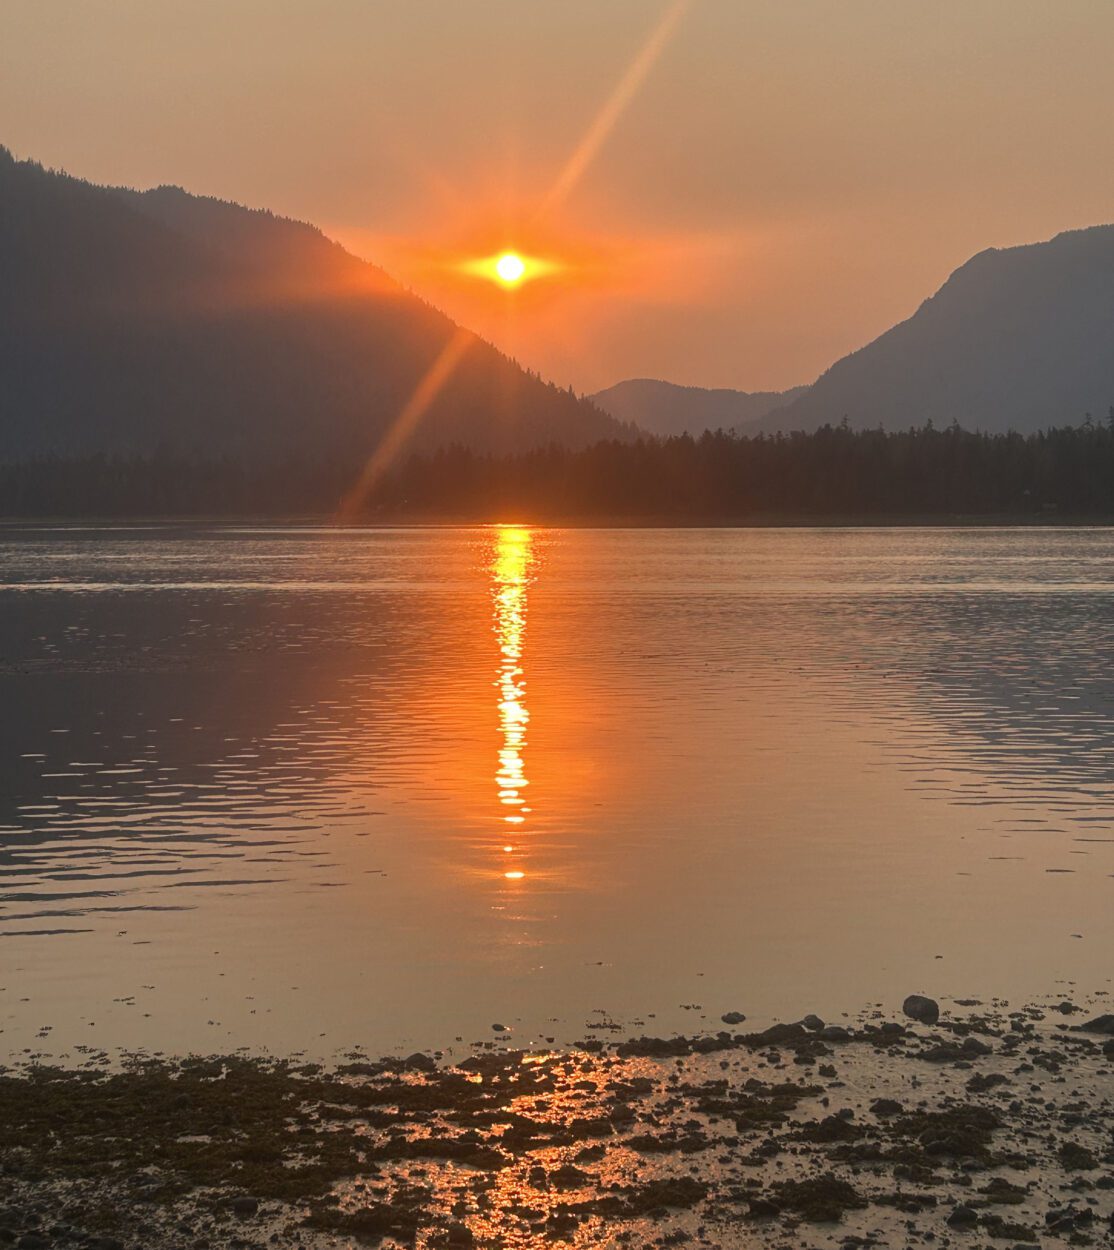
x: 412, y: 412
x: 613, y: 107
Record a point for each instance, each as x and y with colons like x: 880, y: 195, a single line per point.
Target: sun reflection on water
x: 510, y: 577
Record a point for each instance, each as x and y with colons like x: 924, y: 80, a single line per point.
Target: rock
x: 946, y: 1052
x: 832, y: 1128
x: 1065, y: 1008
x: 499, y: 1028
x: 886, y: 1106
x: 417, y: 1062
x: 820, y: 1199
x: 1100, y: 1024
x: 733, y: 1017
x: 1077, y: 1158
x: 777, y: 1034
x: 33, y: 1241
x: 834, y: 1033
x: 963, y: 1216
x: 979, y: 1084
x: 974, y: 1046
x: 813, y: 1023
x: 998, y: 1190
x: 923, y: 1010
x: 244, y: 1206
x: 764, y: 1207
x: 1065, y: 1220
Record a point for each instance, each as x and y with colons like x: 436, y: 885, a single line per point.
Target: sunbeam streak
x: 605, y: 121
x: 408, y: 419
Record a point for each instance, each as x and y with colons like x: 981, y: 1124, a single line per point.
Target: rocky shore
x: 976, y: 1126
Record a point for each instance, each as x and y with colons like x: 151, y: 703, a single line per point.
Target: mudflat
x: 991, y: 1126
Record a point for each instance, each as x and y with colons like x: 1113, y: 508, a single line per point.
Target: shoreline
x: 594, y: 521
x: 992, y: 1122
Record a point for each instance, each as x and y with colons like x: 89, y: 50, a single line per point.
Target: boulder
x: 923, y: 1010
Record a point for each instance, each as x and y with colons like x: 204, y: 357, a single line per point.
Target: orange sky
x: 774, y: 183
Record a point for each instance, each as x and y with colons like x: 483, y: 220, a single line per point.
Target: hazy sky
x: 790, y: 178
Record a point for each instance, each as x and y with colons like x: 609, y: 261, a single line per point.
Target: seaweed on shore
x: 672, y: 1140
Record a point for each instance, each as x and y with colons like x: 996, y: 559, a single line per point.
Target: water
x: 309, y: 790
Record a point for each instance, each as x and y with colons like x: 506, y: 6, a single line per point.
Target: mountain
x: 158, y: 320
x: 664, y: 408
x: 1018, y: 338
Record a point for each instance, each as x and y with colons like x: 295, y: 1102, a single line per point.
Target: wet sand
x: 993, y: 1126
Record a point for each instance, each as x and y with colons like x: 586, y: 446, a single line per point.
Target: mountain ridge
x: 668, y: 408
x: 135, y: 320
x: 1016, y: 338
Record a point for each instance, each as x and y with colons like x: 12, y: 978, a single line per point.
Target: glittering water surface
x: 304, y: 789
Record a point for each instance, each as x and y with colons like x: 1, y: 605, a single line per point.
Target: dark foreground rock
x: 924, y: 1010
x: 795, y: 1135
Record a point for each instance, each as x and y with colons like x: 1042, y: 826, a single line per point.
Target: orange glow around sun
x: 486, y: 247
x: 509, y: 268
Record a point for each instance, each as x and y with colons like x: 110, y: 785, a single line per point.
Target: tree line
x: 834, y: 473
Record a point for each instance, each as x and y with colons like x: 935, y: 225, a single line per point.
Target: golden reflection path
x: 511, y: 566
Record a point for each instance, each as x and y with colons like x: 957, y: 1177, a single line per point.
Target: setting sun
x: 511, y: 268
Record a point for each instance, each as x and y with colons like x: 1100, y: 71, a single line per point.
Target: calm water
x: 308, y: 789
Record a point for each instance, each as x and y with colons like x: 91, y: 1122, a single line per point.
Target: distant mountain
x: 1018, y: 338
x: 131, y: 322
x: 664, y: 408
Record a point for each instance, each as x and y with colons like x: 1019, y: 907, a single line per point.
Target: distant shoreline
x: 603, y: 521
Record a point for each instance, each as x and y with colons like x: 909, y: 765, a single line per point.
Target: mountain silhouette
x: 664, y: 408
x: 133, y: 322
x: 1018, y: 338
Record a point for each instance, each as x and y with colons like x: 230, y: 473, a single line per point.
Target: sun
x: 510, y: 268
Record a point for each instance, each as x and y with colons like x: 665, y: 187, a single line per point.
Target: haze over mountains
x: 140, y: 321
x: 1018, y: 338
x: 132, y: 322
x: 664, y: 408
